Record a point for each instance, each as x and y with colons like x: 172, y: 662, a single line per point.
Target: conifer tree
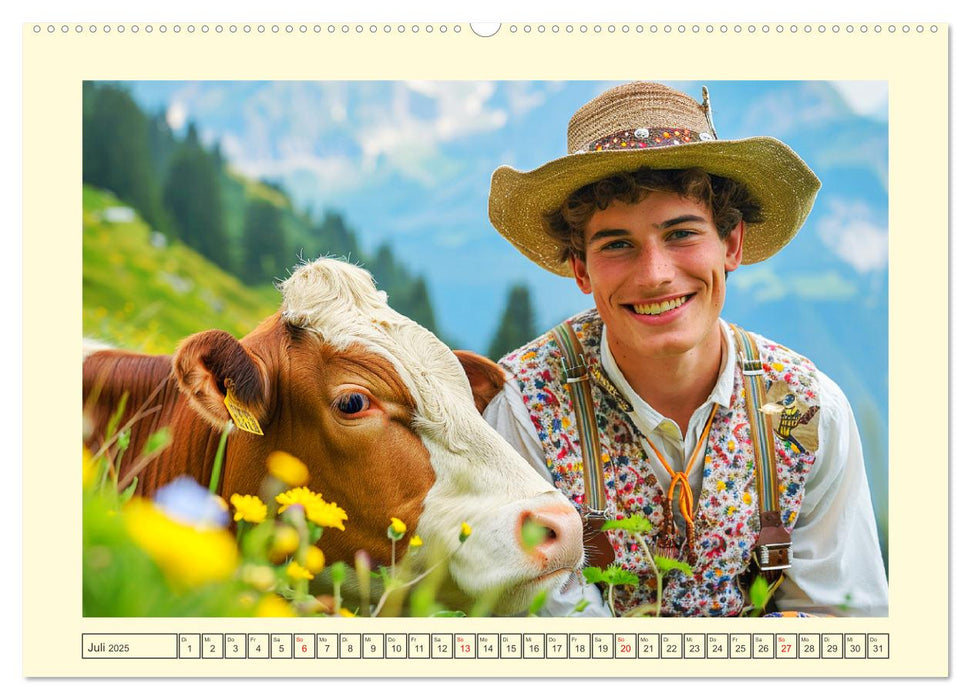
x: 264, y: 244
x: 192, y: 196
x: 518, y: 324
x: 115, y: 153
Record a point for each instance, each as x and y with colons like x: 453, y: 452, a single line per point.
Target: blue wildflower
x: 189, y: 503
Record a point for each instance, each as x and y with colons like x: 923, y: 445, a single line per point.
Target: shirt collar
x: 721, y: 393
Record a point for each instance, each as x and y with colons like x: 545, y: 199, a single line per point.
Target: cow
x: 381, y: 412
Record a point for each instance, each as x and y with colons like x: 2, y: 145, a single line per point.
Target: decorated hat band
x: 645, y: 137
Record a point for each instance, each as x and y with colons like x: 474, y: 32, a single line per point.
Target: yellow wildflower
x: 314, y: 560
x: 465, y: 532
x: 286, y: 539
x: 297, y: 572
x: 89, y: 469
x: 189, y: 556
x: 259, y: 577
x: 274, y: 606
x: 344, y: 612
x: 398, y: 526
x: 287, y: 468
x: 301, y: 496
x: 327, y: 515
x: 415, y: 541
x: 248, y: 508
x: 316, y: 509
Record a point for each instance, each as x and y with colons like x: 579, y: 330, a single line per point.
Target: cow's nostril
x: 535, y: 533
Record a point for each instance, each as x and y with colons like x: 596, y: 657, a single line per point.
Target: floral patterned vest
x: 726, y: 517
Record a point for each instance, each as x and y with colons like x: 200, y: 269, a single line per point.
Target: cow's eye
x: 353, y: 403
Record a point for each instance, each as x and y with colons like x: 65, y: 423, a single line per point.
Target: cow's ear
x: 485, y: 376
x: 209, y: 364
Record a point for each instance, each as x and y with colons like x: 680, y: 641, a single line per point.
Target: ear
x: 486, y: 377
x: 733, y: 247
x: 207, y: 363
x: 580, y: 274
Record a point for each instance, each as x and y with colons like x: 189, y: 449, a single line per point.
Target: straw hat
x: 640, y: 125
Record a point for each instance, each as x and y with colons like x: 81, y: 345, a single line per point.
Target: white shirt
x: 836, y: 567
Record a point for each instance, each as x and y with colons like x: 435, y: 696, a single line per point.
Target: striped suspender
x: 578, y: 383
x: 772, y: 549
x: 594, y: 509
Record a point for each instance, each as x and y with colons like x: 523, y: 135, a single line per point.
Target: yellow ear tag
x: 241, y: 415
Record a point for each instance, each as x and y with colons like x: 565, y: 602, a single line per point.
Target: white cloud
x: 176, y: 115
x: 761, y: 284
x: 522, y: 99
x: 850, y: 230
x: 410, y: 142
x: 865, y: 97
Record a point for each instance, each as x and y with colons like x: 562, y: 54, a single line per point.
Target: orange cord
x: 686, y: 498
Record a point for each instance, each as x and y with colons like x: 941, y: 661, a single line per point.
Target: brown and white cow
x: 377, y: 407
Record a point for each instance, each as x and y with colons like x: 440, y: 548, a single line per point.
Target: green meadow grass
x: 147, y: 296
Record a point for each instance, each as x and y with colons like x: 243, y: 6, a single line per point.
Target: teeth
x: 655, y: 309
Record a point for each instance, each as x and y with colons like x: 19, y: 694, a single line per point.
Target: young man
x: 732, y: 446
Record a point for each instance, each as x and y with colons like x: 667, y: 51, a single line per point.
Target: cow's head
x: 383, y: 415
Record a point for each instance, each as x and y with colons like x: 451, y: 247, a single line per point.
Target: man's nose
x: 654, y: 267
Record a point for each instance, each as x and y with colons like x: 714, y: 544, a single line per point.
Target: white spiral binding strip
x: 429, y: 29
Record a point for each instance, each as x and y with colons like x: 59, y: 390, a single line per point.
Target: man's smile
x: 658, y: 308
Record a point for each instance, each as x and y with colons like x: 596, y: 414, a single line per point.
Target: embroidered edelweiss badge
x: 792, y: 420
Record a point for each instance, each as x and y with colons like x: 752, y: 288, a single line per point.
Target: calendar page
x: 269, y: 487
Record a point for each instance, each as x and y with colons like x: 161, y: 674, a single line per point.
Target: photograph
x: 290, y: 286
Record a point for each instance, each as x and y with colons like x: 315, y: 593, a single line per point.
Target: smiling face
x: 656, y: 269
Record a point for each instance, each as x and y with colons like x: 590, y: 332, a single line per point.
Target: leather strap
x: 771, y: 554
x: 594, y: 509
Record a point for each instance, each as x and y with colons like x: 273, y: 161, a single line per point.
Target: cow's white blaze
x: 479, y: 478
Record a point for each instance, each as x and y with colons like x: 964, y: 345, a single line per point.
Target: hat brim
x: 779, y: 180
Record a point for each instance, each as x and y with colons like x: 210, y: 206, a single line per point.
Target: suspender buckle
x: 575, y: 374
x: 752, y: 367
x: 593, y: 516
x: 772, y: 557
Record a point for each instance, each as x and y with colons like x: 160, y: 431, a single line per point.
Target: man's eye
x: 680, y: 234
x: 350, y: 404
x: 616, y: 245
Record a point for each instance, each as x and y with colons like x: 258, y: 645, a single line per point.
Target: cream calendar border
x: 913, y: 58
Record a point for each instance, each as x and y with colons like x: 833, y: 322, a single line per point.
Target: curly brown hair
x: 729, y: 202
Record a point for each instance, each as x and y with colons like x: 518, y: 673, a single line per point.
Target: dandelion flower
x: 297, y: 572
x: 327, y: 515
x: 248, y: 508
x: 415, y: 542
x: 286, y: 539
x: 89, y: 469
x: 274, y: 606
x: 315, y: 507
x: 314, y: 560
x: 287, y: 468
x: 189, y: 556
x: 301, y: 496
x: 396, y: 529
x: 465, y: 532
